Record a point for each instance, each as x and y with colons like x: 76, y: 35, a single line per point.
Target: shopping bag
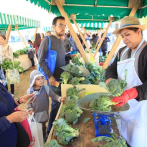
x: 36, y: 130
x: 50, y: 60
x: 25, y: 124
x: 12, y: 76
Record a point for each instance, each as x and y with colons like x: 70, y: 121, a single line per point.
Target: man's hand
x: 52, y: 81
x: 31, y: 111
x: 25, y: 98
x: 17, y: 116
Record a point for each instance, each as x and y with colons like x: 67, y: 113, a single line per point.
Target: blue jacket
x: 73, y: 44
x: 8, y: 131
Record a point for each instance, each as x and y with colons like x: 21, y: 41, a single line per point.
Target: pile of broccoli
x: 73, y: 68
x: 70, y: 112
x: 102, y: 103
x: 66, y: 77
x: 116, y: 86
x: 64, y: 132
x: 52, y: 143
x: 71, y: 93
x: 97, y: 74
x: 112, y: 141
x: 76, y: 61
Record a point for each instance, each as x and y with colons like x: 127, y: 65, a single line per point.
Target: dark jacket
x: 111, y: 72
x: 104, y: 44
x: 8, y: 131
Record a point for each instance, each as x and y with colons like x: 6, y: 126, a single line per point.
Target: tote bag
x: 50, y: 60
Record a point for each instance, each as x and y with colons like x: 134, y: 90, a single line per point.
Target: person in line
x: 31, y: 54
x: 57, y: 45
x: 40, y: 107
x: 104, y: 45
x: 8, y: 130
x: 42, y: 36
x: 6, y: 53
x: 36, y: 43
x: 48, y: 33
x: 133, y: 58
x: 86, y: 36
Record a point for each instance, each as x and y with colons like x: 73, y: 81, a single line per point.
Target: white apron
x: 133, y: 121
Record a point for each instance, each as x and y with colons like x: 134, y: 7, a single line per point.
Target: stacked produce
x: 102, y: 59
x: 116, y: 86
x: 52, y: 143
x: 20, y: 52
x: 112, y: 141
x: 69, y: 111
x: 96, y: 73
x: 64, y: 132
x: 92, y: 50
x: 102, y: 103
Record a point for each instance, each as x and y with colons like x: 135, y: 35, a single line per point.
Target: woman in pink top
x: 36, y: 44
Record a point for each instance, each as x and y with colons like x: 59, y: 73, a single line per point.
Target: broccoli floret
x: 77, y: 80
x: 70, y: 112
x: 52, y: 143
x: 76, y: 70
x: 68, y: 67
x: 66, y: 76
x: 71, y: 93
x: 86, y: 81
x: 102, y: 103
x: 76, y: 61
x: 66, y: 133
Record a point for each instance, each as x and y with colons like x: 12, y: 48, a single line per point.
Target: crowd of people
x: 132, y: 56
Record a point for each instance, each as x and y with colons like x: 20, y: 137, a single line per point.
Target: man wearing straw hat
x: 132, y: 57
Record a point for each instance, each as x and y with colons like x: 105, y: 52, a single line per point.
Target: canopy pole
x: 117, y: 42
x: 99, y: 34
x: 16, y: 27
x: 73, y: 33
x: 104, y: 35
x: 35, y: 34
x: 8, y: 33
x: 84, y: 30
x: 72, y: 17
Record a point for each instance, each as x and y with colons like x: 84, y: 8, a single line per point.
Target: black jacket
x: 111, y: 72
x: 104, y: 44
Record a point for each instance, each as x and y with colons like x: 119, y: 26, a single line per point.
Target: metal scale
x: 102, y: 121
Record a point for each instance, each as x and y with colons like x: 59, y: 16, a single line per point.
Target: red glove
x: 126, y: 96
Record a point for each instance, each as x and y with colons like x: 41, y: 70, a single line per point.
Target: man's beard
x: 59, y: 34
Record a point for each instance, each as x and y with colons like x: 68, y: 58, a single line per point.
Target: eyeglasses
x: 62, y: 26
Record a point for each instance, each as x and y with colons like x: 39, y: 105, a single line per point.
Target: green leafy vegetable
x: 85, y: 120
x: 66, y: 76
x: 102, y: 103
x: 52, y: 143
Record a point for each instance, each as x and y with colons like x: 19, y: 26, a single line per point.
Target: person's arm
x: 2, y: 77
x: 4, y: 124
x: 42, y: 55
x: 107, y: 39
x: 54, y: 96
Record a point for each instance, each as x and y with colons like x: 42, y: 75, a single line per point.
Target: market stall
x: 13, y: 22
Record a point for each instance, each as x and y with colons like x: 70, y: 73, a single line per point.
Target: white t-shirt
x: 6, y: 53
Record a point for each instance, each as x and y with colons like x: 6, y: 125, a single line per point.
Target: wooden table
x: 87, y: 132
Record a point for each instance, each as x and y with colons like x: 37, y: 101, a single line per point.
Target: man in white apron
x: 133, y: 121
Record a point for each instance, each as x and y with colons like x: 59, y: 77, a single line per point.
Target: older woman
x: 132, y: 57
x: 8, y: 130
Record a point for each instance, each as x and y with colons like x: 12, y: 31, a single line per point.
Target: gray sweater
x: 56, y: 45
x: 41, y: 102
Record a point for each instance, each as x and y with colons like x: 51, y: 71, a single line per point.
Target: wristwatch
x: 18, y: 100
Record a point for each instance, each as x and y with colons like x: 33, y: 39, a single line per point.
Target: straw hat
x: 130, y: 22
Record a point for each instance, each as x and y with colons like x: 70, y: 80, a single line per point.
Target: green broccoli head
x: 76, y: 70
x: 66, y: 76
x: 71, y: 115
x: 68, y: 67
x: 67, y: 133
x: 52, y: 143
x: 71, y: 93
x: 76, y: 61
x: 77, y: 80
x: 86, y: 81
x: 102, y: 103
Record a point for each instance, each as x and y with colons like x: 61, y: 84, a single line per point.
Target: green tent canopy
x: 92, y: 10
x: 47, y: 28
x: 22, y: 22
